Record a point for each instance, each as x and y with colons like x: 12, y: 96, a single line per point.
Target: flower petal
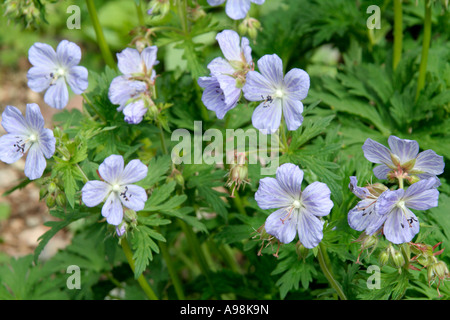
x: 267, y: 118
x: 229, y: 44
x: 422, y: 195
x: 257, y: 87
x: 112, y: 210
x: 270, y: 195
x: 388, y: 200
x: 247, y: 50
x: 133, y: 197
x: 290, y: 177
x: 42, y: 55
x: 111, y: 169
x: 310, y: 229
x: 14, y: 122
x: 361, y: 216
x: 377, y: 153
x: 57, y: 95
x: 39, y: 78
x: 34, y: 117
x: 258, y: 1
x: 428, y: 161
x: 122, y: 89
x: 220, y: 66
x: 68, y: 53
x: 134, y: 171
x: 9, y: 152
x: 94, y: 192
x: 47, y: 142
x: 292, y: 110
x: 129, y: 61
x: 282, y: 225
x: 381, y: 171
x: 237, y: 9
x: 271, y: 67
x: 228, y: 86
x: 296, y: 84
x: 135, y: 111
x: 77, y: 78
x: 35, y: 163
x: 401, y: 226
x: 360, y: 192
x: 316, y: 199
x: 215, y: 2
x: 403, y: 148
x: 148, y: 56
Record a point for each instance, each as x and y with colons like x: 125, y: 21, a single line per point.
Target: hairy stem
x: 326, y: 269
x: 141, y: 280
x: 398, y: 32
x: 172, y: 272
x: 425, y: 48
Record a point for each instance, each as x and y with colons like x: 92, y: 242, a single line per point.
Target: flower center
x: 296, y: 204
x: 279, y: 93
x: 32, y: 138
x: 116, y: 187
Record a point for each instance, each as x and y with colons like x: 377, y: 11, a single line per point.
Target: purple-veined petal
x: 428, y: 161
x: 237, y: 9
x: 134, y: 171
x: 133, y: 197
x: 77, y: 78
x: 9, y: 150
x: 296, y: 84
x: 111, y: 169
x: 68, y: 54
x: 381, y: 171
x: 148, y: 56
x: 207, y: 81
x: 401, y: 226
x: 316, y: 199
x: 310, y: 229
x: 360, y: 192
x: 422, y: 195
x: 57, y: 95
x: 95, y: 192
x: 35, y: 163
x: 403, y: 148
x: 42, y: 55
x: 228, y: 86
x: 267, y: 117
x: 270, y: 195
x: 14, y: 122
x: 220, y: 66
x: 122, y: 89
x: 257, y: 87
x: 247, y: 50
x: 361, y: 216
x: 135, y: 111
x: 375, y: 223
x: 292, y: 111
x: 229, y: 44
x: 112, y: 210
x: 34, y: 117
x: 213, y: 97
x: 271, y: 67
x: 282, y: 224
x: 47, y: 142
x: 377, y: 153
x: 39, y: 78
x: 129, y: 61
x: 290, y: 177
x: 215, y: 2
x: 388, y: 200
x: 258, y: 1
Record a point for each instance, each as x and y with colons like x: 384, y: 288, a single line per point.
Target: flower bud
x: 302, y: 251
x: 383, y: 258
x: 61, y: 200
x: 51, y: 188
x: 50, y: 201
x: 397, y: 259
x: 121, y: 229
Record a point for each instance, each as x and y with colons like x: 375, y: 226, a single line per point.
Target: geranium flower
x: 52, y: 71
x: 26, y: 135
x: 236, y: 9
x: 299, y: 211
x: 117, y: 188
x: 280, y: 94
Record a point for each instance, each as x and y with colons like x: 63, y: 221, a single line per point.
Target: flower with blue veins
x: 223, y: 87
x: 403, y: 160
x: 117, y: 189
x: 236, y: 9
x: 26, y: 134
x: 131, y: 90
x: 299, y: 212
x: 279, y: 93
x: 400, y: 223
x: 53, y: 71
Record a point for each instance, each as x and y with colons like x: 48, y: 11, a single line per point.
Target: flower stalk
x: 326, y: 269
x: 425, y: 48
x: 398, y: 32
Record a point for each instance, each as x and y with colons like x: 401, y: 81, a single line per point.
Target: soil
x: 20, y: 231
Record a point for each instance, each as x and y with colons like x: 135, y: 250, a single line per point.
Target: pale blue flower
x: 236, y: 9
x: 280, y: 94
x: 117, y: 189
x: 299, y: 211
x: 403, y: 160
x: 53, y: 71
x: 26, y: 135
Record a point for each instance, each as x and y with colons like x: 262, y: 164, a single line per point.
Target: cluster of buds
x: 238, y: 173
x: 28, y: 12
x: 266, y: 240
x: 53, y: 194
x: 367, y: 242
x: 249, y: 26
x: 393, y: 257
x: 158, y: 9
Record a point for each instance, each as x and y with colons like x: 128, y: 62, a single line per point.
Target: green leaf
x: 143, y: 245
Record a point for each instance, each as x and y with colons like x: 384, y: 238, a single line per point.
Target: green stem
x: 172, y: 272
x: 163, y: 141
x: 86, y: 179
x: 398, y: 32
x: 182, y: 15
x: 139, y: 13
x: 141, y: 280
x: 92, y: 106
x: 425, y: 48
x: 325, y: 265
x: 103, y: 45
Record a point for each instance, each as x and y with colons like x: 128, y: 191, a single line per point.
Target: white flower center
x: 32, y: 138
x: 60, y: 72
x: 279, y: 93
x: 296, y: 204
x: 116, y: 187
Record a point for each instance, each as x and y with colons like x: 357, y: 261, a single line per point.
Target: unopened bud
x: 61, y: 200
x: 51, y: 188
x: 302, y: 251
x: 384, y: 258
x: 121, y: 229
x: 50, y: 201
x: 397, y: 259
